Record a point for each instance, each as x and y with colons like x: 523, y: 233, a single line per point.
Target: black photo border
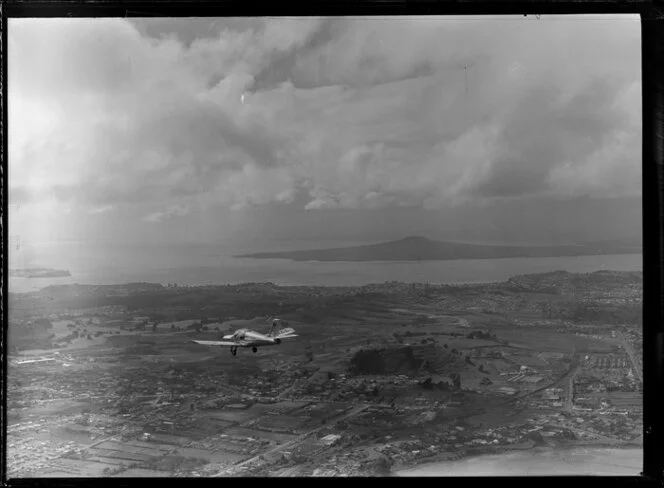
x: 652, y: 63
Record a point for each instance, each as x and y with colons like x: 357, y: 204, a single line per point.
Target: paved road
x: 300, y: 438
x: 569, y: 400
x: 297, y: 383
x: 636, y: 365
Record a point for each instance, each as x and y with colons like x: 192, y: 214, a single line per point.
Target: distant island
x: 38, y: 273
x: 417, y: 248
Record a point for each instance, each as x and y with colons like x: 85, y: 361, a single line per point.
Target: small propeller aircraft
x: 253, y: 339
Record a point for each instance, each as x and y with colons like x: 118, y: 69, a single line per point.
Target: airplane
x: 253, y: 339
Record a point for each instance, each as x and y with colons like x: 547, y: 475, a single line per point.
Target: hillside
x: 417, y: 248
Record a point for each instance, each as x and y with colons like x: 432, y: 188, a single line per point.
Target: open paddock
x: 124, y: 455
x: 237, y: 448
x: 323, y: 410
x: 169, y: 439
x: 530, y: 360
x: 464, y: 343
x: 118, y: 446
x: 109, y: 462
x: 73, y: 433
x: 150, y: 450
x: 205, y: 427
x: 192, y: 433
x: 150, y: 446
x: 57, y: 408
x: 258, y: 434
x: 495, y: 416
x: 210, y: 456
x: 281, y: 407
x: 74, y: 468
x: 234, y: 416
x: 142, y: 473
x: 218, y: 424
x: 403, y: 312
x: 280, y: 423
x: 545, y: 341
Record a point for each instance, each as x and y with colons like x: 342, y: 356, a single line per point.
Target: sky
x: 479, y: 129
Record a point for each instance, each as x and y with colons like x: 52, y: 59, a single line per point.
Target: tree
x: 382, y: 466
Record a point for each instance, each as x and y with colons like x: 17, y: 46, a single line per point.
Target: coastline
x: 583, y: 459
x: 290, y: 273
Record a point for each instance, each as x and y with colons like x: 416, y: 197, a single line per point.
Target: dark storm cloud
x: 178, y: 115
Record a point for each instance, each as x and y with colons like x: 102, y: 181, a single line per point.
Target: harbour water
x: 204, y: 264
x: 576, y: 461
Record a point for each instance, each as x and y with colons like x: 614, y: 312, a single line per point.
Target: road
x: 296, y: 441
x: 572, y: 370
x: 636, y: 365
x: 296, y: 384
x: 569, y: 399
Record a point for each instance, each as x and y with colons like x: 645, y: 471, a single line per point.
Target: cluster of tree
x: 423, y: 319
x: 43, y: 323
x: 428, y: 384
x: 479, y: 334
x: 382, y: 466
x: 589, y: 313
x: 408, y: 333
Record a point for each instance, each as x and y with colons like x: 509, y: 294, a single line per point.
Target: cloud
x: 365, y: 113
x: 169, y: 213
x: 101, y: 210
x: 124, y: 118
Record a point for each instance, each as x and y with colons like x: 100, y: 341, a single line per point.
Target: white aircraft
x: 253, y: 339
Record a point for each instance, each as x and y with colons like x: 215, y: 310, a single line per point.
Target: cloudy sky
x: 478, y: 129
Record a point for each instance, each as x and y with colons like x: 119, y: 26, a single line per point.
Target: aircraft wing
x: 218, y: 343
x: 287, y: 336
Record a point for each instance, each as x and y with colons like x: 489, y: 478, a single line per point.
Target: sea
x: 206, y: 264
x: 576, y: 461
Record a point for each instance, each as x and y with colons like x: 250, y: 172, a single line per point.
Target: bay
x: 207, y: 264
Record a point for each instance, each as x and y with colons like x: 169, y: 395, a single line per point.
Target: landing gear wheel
x: 233, y: 351
x: 254, y: 349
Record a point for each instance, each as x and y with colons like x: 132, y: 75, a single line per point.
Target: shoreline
x: 506, y: 459
x: 19, y: 285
